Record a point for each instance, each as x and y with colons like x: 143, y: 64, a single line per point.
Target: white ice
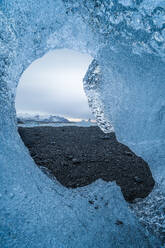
x: 127, y: 39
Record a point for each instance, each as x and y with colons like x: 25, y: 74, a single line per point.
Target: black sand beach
x: 78, y: 156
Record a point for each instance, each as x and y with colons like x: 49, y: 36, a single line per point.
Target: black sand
x: 77, y: 156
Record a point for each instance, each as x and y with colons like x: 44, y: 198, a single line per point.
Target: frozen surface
x: 126, y: 38
x: 46, y: 214
x: 150, y: 212
x: 92, y: 83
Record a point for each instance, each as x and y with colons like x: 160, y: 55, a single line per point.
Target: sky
x: 53, y: 85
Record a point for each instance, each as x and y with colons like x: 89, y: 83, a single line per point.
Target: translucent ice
x: 127, y: 39
x: 92, y: 84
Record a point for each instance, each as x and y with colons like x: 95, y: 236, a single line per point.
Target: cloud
x: 53, y: 85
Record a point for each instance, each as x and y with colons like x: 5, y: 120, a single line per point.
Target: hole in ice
x: 76, y: 153
x: 53, y: 85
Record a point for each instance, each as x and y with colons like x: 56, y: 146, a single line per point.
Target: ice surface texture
x: 127, y: 40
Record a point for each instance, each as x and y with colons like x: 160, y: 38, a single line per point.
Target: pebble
x: 64, y: 163
x: 105, y: 137
x: 138, y: 179
x: 75, y: 161
x: 53, y: 143
x: 70, y: 157
x: 128, y: 154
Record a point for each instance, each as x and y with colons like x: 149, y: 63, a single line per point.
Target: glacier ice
x: 126, y: 38
x: 92, y: 83
x: 150, y: 212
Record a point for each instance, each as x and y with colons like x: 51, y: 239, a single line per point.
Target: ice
x: 150, y: 212
x: 127, y: 42
x: 46, y: 214
x: 92, y: 84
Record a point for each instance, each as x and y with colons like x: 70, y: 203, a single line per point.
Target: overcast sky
x: 53, y: 85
